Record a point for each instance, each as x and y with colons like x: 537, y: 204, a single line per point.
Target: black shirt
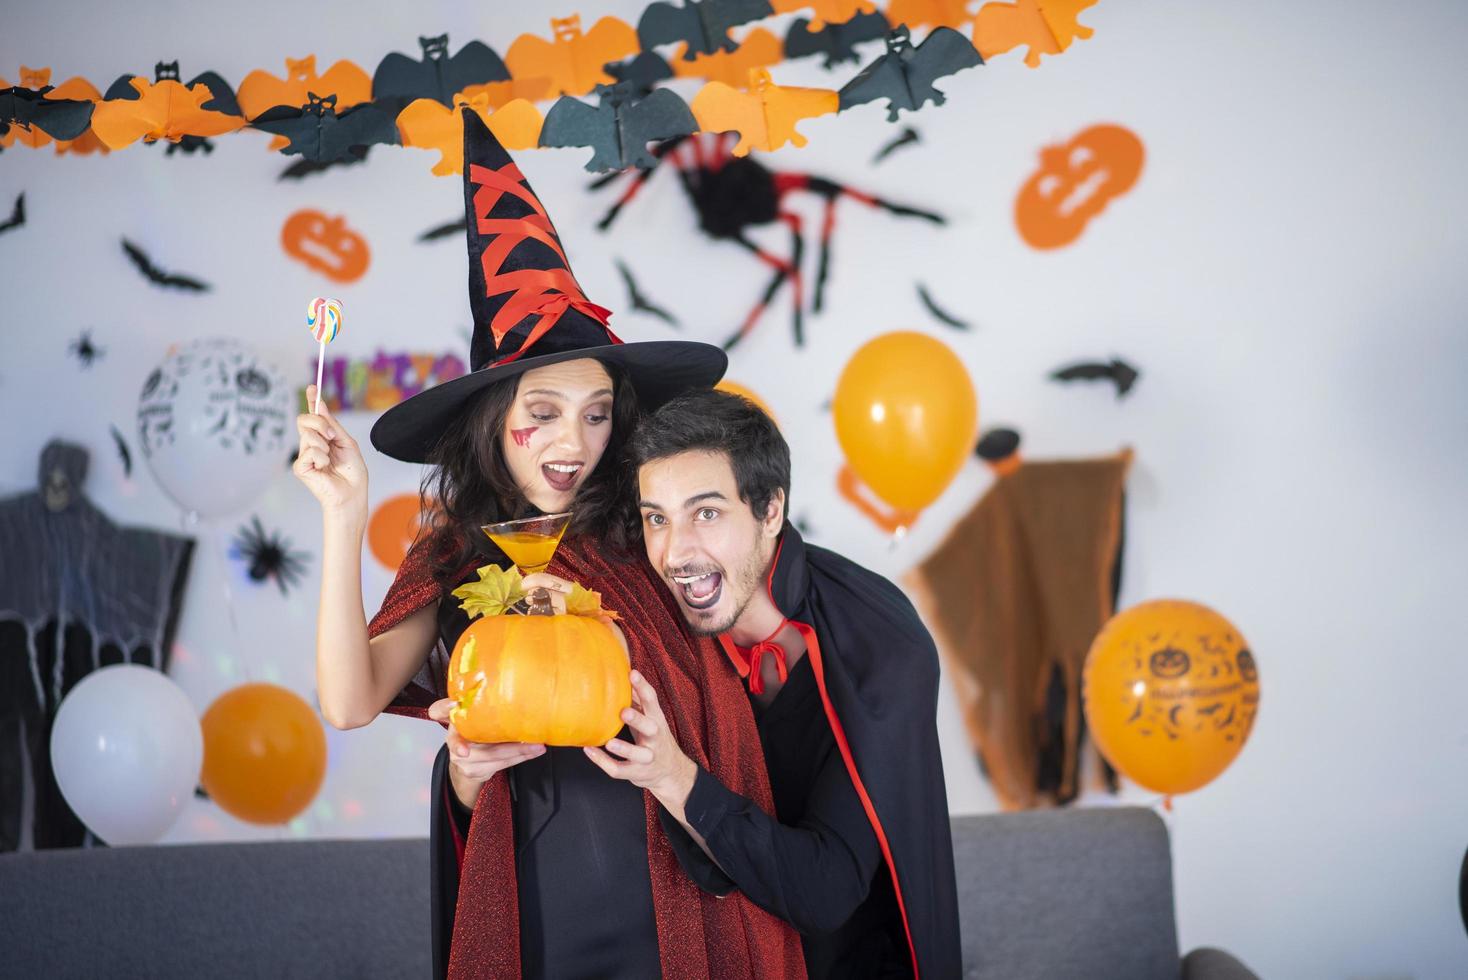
x: 817, y: 864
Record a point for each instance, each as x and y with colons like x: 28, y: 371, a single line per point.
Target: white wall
x: 1285, y: 274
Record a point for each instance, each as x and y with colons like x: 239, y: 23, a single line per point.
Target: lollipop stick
x: 320, y: 363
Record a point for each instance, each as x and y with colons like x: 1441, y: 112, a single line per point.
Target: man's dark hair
x: 719, y: 422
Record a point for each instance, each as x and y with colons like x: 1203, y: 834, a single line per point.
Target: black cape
x: 877, y: 668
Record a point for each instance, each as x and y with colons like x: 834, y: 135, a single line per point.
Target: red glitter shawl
x: 700, y: 935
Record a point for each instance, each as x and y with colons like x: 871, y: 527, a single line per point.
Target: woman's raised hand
x: 329, y: 462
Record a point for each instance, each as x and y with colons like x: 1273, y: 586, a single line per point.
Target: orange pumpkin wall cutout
x: 538, y: 677
x: 326, y: 245
x: 1075, y: 182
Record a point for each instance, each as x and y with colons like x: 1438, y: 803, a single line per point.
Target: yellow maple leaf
x: 584, y: 602
x: 495, y: 592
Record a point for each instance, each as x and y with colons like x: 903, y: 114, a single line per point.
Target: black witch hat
x: 528, y: 310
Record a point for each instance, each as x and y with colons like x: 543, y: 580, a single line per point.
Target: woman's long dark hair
x: 470, y: 483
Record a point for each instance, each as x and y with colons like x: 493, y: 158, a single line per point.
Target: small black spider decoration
x: 84, y: 350
x: 269, y: 556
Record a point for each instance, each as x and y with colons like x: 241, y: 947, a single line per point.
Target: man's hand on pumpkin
x: 655, y: 763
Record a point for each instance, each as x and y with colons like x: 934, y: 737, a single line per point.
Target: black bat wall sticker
x: 640, y: 301
x: 940, y: 314
x: 908, y: 137
x: 305, y: 168
x: 17, y: 215
x: 1119, y: 372
x: 157, y: 276
x: 904, y: 76
x: 445, y: 230
x: 123, y: 452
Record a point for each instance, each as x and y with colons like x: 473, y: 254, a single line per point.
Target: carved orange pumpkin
x: 326, y: 245
x: 556, y: 680
x: 1074, y: 184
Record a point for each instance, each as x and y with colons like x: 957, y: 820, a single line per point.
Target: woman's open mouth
x: 561, y: 476
x: 700, y: 591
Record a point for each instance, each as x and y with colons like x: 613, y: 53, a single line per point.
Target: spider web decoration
x: 269, y: 556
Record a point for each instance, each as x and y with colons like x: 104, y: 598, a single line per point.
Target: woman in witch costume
x: 542, y: 865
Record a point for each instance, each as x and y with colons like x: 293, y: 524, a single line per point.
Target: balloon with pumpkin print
x: 536, y: 677
x: 1171, y: 690
x: 325, y: 244
x: 1075, y: 182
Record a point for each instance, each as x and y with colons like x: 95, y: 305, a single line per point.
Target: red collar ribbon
x: 748, y: 661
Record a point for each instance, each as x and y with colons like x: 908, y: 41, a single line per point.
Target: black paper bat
x: 702, y: 24
x: 156, y: 275
x: 619, y: 128
x: 123, y: 453
x: 17, y: 215
x: 444, y: 230
x: 304, y: 168
x: 221, y: 93
x: 187, y: 145
x: 939, y: 314
x: 317, y: 132
x: 835, y: 41
x: 997, y: 444
x: 400, y: 79
x: 640, y: 301
x: 908, y: 137
x: 643, y: 72
x: 1122, y: 374
x: 904, y: 76
x: 60, y: 119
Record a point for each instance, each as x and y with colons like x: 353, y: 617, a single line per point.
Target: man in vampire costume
x: 843, y: 682
x: 559, y: 871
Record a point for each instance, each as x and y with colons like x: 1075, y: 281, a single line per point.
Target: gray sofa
x: 1060, y: 894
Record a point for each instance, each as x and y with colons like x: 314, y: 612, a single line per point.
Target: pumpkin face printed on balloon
x: 326, y: 245
x: 1074, y: 184
x: 1171, y: 691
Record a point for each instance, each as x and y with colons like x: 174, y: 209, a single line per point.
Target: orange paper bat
x: 826, y: 11
x: 759, y: 49
x: 430, y: 125
x: 572, y: 61
x: 765, y: 116
x: 82, y: 90
x: 261, y: 90
x: 165, y: 110
x: 1046, y: 26
x: 929, y: 13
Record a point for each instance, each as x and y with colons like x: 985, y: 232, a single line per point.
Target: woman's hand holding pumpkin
x: 655, y: 763
x: 330, y: 464
x: 472, y: 764
x: 558, y: 588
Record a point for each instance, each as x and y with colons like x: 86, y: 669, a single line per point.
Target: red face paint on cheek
x: 522, y: 436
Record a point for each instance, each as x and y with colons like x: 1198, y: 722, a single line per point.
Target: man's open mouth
x: 700, y: 591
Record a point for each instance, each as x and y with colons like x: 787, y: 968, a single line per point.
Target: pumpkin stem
x: 540, y: 603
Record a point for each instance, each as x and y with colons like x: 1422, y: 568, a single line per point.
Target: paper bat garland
x: 835, y: 42
x: 703, y: 25
x: 321, y: 134
x: 619, y: 128
x: 930, y: 13
x: 34, y: 112
x: 642, y: 72
x: 759, y: 49
x: 573, y: 61
x: 826, y: 11
x: 904, y: 76
x: 1046, y: 26
x: 765, y: 116
x: 428, y: 125
x: 134, y: 109
x: 400, y: 79
x: 261, y: 90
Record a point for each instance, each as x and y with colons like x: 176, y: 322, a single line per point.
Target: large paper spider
x: 733, y: 194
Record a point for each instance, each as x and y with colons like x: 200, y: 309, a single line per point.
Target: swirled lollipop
x: 324, y: 320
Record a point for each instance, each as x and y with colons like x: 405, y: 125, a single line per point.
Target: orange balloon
x: 1171, y: 690
x: 906, y: 416
x: 393, y: 529
x: 735, y: 388
x: 264, y: 753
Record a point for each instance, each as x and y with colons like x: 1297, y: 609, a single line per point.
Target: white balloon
x: 213, y: 421
x: 127, y: 750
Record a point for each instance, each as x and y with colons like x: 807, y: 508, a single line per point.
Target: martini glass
x: 531, y: 542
